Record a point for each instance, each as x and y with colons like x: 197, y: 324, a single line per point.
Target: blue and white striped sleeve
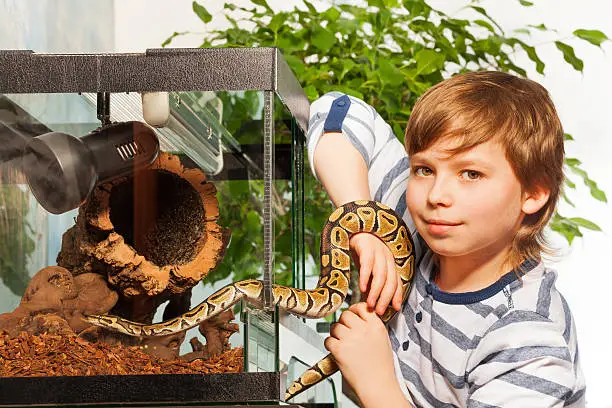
x: 371, y: 136
x: 524, y: 361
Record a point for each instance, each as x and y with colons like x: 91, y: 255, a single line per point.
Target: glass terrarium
x: 220, y: 200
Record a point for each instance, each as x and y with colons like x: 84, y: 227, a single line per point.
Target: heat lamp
x: 62, y: 169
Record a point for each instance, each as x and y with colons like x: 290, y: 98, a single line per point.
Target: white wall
x: 41, y: 25
x: 584, y: 104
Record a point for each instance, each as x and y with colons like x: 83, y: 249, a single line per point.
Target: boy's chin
x: 448, y: 248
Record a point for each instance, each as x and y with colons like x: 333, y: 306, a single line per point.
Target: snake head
x: 93, y: 319
x: 99, y: 320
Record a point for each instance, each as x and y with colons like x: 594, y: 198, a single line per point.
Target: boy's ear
x: 535, y: 199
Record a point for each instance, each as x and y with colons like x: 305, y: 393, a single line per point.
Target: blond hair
x: 517, y: 112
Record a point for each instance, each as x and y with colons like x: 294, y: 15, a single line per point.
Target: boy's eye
x: 422, y: 171
x: 471, y: 174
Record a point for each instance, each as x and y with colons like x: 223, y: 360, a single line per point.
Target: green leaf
x: 596, y: 193
x: 311, y: 92
x: 350, y: 91
x: 531, y: 53
x: 526, y: 3
x: 377, y: 3
x: 585, y: 223
x: 201, y: 12
x: 540, y: 27
x: 397, y: 130
x: 567, y: 200
x: 595, y: 37
x: 322, y: 38
x: 253, y: 222
x: 485, y: 24
x: 311, y: 8
x: 331, y: 14
x: 389, y: 73
x: 173, y: 36
x: 563, y: 226
x: 594, y: 189
x: 347, y: 66
x: 580, y: 172
x: 296, y: 64
x: 484, y: 13
x: 277, y: 21
x: 416, y: 7
x: 522, y: 31
x: 428, y: 61
x: 567, y: 136
x: 569, y: 55
x: 263, y: 4
x: 392, y: 3
x: 570, y: 183
x: 570, y: 161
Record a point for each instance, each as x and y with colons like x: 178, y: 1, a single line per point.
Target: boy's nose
x: 439, y: 193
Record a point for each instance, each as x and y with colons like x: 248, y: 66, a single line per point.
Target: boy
x: 478, y: 180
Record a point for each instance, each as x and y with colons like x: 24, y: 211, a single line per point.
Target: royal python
x: 325, y: 298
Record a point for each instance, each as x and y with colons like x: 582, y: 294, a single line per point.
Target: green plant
x: 388, y: 52
x: 15, y: 236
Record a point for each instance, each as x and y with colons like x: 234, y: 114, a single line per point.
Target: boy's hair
x: 517, y: 112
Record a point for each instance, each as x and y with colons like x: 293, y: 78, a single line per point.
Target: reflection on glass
x: 218, y: 139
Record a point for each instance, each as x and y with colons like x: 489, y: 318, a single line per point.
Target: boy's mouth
x: 435, y: 221
x: 440, y: 227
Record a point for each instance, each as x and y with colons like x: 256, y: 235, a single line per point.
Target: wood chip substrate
x: 30, y: 355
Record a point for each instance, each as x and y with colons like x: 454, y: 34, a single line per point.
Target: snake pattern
x: 324, y: 299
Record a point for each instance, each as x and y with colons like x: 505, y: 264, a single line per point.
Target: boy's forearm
x: 341, y: 169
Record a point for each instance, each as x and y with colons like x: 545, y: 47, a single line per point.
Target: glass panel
x: 90, y: 226
x: 284, y: 246
x: 152, y: 220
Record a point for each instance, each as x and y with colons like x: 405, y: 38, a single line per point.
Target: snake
x: 362, y: 216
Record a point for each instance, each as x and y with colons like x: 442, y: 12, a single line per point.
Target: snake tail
x: 323, y: 369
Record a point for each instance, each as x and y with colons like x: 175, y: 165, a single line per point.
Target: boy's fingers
x: 361, y: 311
x: 378, y: 281
x: 387, y: 292
x: 365, y: 270
x: 397, y: 297
x: 330, y: 344
x: 398, y: 294
x: 338, y: 330
x: 348, y: 318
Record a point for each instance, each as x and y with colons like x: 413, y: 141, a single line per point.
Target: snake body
x: 332, y: 287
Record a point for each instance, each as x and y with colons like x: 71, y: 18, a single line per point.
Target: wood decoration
x: 154, y: 235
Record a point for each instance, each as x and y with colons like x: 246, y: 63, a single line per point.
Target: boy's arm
x: 341, y: 169
x: 341, y: 160
x: 360, y: 344
x: 354, y: 130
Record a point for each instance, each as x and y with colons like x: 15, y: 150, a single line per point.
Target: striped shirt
x: 512, y: 344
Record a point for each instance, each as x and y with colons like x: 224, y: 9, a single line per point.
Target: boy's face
x: 469, y: 204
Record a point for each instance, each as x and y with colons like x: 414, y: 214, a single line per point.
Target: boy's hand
x: 360, y: 345
x: 377, y: 275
